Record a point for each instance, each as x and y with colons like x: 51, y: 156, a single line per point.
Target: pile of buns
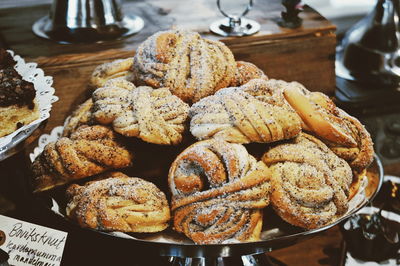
x: 313, y: 152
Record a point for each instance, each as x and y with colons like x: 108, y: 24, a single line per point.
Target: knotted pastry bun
x: 218, y: 192
x: 310, y: 184
x: 236, y: 116
x: 119, y: 203
x: 190, y: 66
x: 120, y: 68
x: 268, y: 91
x: 344, y: 134
x: 153, y: 115
x: 245, y: 72
x: 88, y: 151
x: 82, y: 115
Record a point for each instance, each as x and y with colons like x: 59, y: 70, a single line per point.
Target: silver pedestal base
x: 129, y: 25
x: 223, y: 27
x: 249, y: 260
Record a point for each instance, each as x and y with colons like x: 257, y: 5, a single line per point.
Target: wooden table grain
x: 68, y: 63
x: 305, y: 54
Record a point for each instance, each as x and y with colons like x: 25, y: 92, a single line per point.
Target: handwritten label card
x: 31, y: 244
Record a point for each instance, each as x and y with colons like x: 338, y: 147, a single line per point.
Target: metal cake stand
x: 182, y: 252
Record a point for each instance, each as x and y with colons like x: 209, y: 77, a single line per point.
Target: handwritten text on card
x: 31, y: 244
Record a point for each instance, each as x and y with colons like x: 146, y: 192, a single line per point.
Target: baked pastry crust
x: 119, y: 203
x: 89, y: 151
x: 246, y: 71
x: 190, y: 66
x: 120, y: 68
x: 236, y: 116
x: 344, y: 134
x: 310, y: 184
x: 153, y: 115
x: 269, y: 91
x: 218, y: 192
x: 82, y: 115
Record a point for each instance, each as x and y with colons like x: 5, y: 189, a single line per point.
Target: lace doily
x: 45, y: 139
x: 44, y: 95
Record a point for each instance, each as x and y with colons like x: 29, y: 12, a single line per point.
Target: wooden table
x: 69, y: 63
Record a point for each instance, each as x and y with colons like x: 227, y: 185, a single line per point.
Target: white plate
x: 44, y: 96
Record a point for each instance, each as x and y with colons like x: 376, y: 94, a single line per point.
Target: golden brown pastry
x: 118, y: 68
x: 218, y: 192
x: 358, y: 180
x: 190, y: 66
x: 310, y: 184
x: 236, y: 116
x: 344, y: 134
x: 268, y: 91
x: 119, y: 203
x: 245, y: 72
x: 153, y: 115
x: 83, y: 115
x: 89, y: 151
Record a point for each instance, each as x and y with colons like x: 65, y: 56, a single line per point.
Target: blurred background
x: 342, y: 13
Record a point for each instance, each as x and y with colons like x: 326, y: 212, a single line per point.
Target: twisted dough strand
x: 310, y: 184
x: 268, y: 91
x: 236, y: 116
x: 190, y: 66
x: 218, y: 191
x: 119, y: 203
x: 155, y: 116
x: 82, y: 115
x: 246, y: 72
x: 89, y: 151
x: 344, y: 134
x: 120, y: 68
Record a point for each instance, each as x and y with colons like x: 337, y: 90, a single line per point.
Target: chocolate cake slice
x: 17, y: 97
